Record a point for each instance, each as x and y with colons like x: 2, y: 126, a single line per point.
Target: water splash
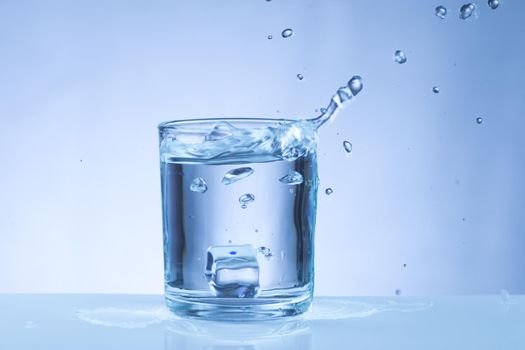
x: 285, y: 140
x: 441, y: 11
x: 329, y: 308
x: 400, y: 57
x: 467, y: 10
x: 123, y: 318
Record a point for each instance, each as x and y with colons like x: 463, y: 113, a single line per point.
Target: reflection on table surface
x: 142, y: 322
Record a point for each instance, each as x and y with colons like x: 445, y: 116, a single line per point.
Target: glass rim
x: 173, y: 124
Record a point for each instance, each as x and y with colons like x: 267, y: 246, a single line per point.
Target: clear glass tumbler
x: 238, y: 220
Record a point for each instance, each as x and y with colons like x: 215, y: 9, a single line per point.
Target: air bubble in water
x: 237, y: 174
x: 198, y: 185
x: 479, y: 120
x: 293, y: 178
x: 246, y: 199
x: 435, y: 90
x: 266, y: 252
x: 287, y: 33
x: 347, y: 146
x: 441, y: 11
x: 355, y: 84
x: 300, y: 76
x: 493, y: 4
x: 466, y: 10
x: 328, y: 191
x: 400, y: 57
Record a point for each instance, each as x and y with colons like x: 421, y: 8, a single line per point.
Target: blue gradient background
x: 84, y: 84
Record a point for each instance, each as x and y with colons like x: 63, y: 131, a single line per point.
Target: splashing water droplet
x: 493, y: 4
x: 347, y: 146
x: 300, y: 76
x: 328, y: 191
x: 287, y: 33
x: 435, y: 90
x: 466, y: 10
x: 270, y: 37
x: 293, y: 178
x: 400, y: 57
x: 479, y: 120
x: 265, y: 251
x: 246, y: 199
x: 355, y: 84
x: 235, y: 175
x: 398, y: 291
x: 441, y: 11
x: 198, y: 185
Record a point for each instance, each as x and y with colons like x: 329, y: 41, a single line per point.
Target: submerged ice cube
x: 232, y: 271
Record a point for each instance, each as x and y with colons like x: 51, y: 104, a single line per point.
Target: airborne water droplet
x: 435, y: 90
x: 355, y: 84
x: 347, y: 146
x: 479, y: 120
x: 441, y: 11
x: 466, y: 10
x: 493, y: 4
x: 399, y: 57
x: 235, y: 175
x: 287, y: 33
x: 270, y: 37
x: 246, y: 199
x: 328, y: 191
x: 198, y: 185
x: 398, y: 291
x: 300, y: 76
x: 293, y: 178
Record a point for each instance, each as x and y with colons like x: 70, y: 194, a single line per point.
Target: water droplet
x: 300, y: 76
x: 441, y: 11
x: 237, y: 174
x: 347, y: 146
x: 463, y: 219
x: 328, y: 191
x: 246, y: 199
x: 198, y: 185
x: 493, y: 4
x: 404, y: 265
x: 355, y: 84
x: 229, y: 241
x: 265, y: 251
x: 466, y: 10
x: 256, y: 230
x: 479, y: 120
x: 435, y: 90
x: 398, y: 291
x: 270, y: 37
x: 293, y: 178
x: 287, y: 33
x: 399, y: 57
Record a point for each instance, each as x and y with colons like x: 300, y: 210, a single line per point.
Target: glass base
x: 234, y: 309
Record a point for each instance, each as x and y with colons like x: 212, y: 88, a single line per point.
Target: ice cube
x: 232, y: 271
